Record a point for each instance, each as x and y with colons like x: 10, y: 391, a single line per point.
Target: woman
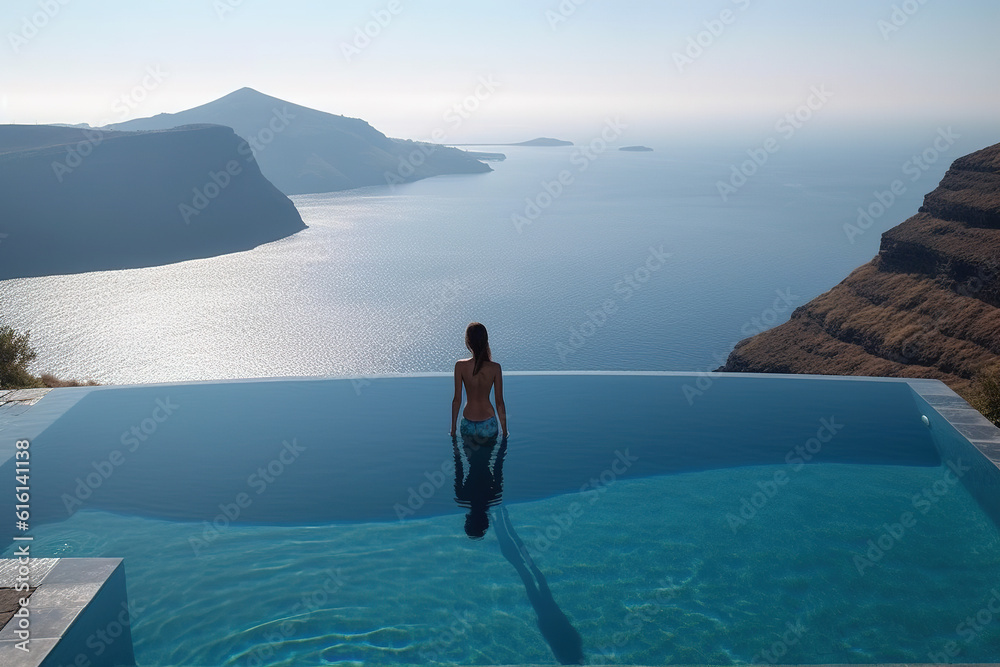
x: 480, y: 374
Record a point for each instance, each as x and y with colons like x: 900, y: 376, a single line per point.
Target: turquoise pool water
x: 766, y: 520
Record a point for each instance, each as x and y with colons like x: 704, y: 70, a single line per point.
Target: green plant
x: 985, y: 394
x: 15, y: 355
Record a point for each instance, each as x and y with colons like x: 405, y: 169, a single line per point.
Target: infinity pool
x: 644, y: 519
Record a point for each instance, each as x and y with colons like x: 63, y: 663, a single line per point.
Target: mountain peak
x: 244, y: 95
x: 246, y: 91
x: 308, y: 150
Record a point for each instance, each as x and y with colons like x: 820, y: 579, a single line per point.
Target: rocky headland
x: 928, y: 305
x: 76, y: 200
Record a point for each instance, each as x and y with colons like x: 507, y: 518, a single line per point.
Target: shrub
x: 15, y: 355
x: 985, y: 394
x: 53, y: 382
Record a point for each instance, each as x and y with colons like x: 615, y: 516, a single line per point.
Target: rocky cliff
x: 928, y: 305
x: 74, y: 200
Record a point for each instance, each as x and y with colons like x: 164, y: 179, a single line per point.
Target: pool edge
x: 76, y: 599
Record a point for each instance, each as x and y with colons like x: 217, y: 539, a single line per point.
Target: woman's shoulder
x: 490, y: 367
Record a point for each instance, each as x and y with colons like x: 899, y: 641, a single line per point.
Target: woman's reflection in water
x: 483, y: 486
x: 480, y: 490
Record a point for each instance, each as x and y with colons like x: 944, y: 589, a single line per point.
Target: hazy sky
x: 556, y: 68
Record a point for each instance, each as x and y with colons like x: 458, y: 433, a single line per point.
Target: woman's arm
x: 456, y: 402
x: 498, y: 393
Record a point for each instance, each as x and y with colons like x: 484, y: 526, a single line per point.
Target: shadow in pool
x: 483, y: 487
x: 556, y: 628
x: 481, y: 490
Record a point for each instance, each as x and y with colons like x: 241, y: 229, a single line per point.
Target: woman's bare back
x: 477, y: 388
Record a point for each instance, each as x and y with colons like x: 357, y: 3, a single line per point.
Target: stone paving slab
x: 26, y: 394
x: 10, y: 656
x: 990, y: 449
x: 987, y: 433
x: 40, y: 567
x: 10, y: 602
x: 964, y: 416
x: 946, y: 401
x: 46, y: 622
x: 929, y: 387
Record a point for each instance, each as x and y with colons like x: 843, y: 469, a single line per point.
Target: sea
x: 575, y: 258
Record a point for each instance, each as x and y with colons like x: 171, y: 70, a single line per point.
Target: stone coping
x: 65, y: 586
x: 964, y: 418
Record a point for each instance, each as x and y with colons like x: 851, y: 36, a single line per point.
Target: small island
x: 637, y: 149
x: 543, y: 141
